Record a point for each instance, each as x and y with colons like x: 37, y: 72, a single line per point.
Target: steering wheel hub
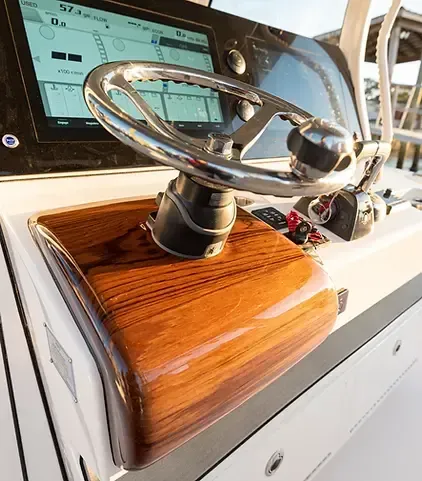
x: 220, y: 144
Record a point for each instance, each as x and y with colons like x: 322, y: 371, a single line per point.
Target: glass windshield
x: 308, y: 17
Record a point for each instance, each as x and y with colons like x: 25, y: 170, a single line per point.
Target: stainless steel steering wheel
x: 323, y: 158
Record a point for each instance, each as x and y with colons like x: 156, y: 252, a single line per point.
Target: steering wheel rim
x: 167, y: 145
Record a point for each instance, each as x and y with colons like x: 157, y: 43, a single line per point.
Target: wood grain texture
x: 190, y: 340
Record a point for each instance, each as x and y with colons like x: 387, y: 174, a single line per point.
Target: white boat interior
x: 236, y: 292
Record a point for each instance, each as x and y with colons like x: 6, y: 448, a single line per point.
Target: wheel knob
x: 319, y: 147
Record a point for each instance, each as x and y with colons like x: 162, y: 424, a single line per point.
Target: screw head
x: 274, y: 462
x: 397, y: 347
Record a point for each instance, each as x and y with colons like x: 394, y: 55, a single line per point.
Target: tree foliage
x: 372, y: 90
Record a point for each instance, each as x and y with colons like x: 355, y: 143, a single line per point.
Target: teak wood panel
x: 194, y: 338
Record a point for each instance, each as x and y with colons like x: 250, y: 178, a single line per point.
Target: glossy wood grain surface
x: 190, y: 340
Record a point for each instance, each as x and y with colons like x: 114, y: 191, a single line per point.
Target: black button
x: 387, y: 193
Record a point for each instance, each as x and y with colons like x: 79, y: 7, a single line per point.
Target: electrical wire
x: 320, y: 211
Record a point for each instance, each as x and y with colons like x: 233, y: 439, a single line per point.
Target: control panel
x: 49, y: 47
x: 271, y: 216
x: 67, y: 41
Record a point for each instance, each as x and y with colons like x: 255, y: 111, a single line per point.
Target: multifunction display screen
x: 67, y: 41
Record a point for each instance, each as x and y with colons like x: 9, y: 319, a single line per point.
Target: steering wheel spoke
x: 118, y: 82
x: 246, y: 136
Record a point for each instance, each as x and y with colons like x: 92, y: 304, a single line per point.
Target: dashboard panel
x: 49, y: 47
x: 68, y: 40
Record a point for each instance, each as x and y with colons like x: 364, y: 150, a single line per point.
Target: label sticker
x: 10, y: 141
x: 214, y: 249
x: 62, y: 362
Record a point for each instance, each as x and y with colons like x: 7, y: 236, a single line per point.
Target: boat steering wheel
x: 322, y: 159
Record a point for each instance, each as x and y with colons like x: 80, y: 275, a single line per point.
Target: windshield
x: 309, y: 18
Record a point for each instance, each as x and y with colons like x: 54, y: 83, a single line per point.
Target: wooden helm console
x: 179, y: 342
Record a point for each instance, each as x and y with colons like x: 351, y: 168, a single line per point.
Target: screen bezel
x: 47, y: 133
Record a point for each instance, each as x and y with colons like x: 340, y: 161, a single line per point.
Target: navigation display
x: 67, y: 41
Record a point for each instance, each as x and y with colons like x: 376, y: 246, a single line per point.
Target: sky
x: 314, y: 17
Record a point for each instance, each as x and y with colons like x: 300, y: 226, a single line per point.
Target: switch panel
x: 272, y: 217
